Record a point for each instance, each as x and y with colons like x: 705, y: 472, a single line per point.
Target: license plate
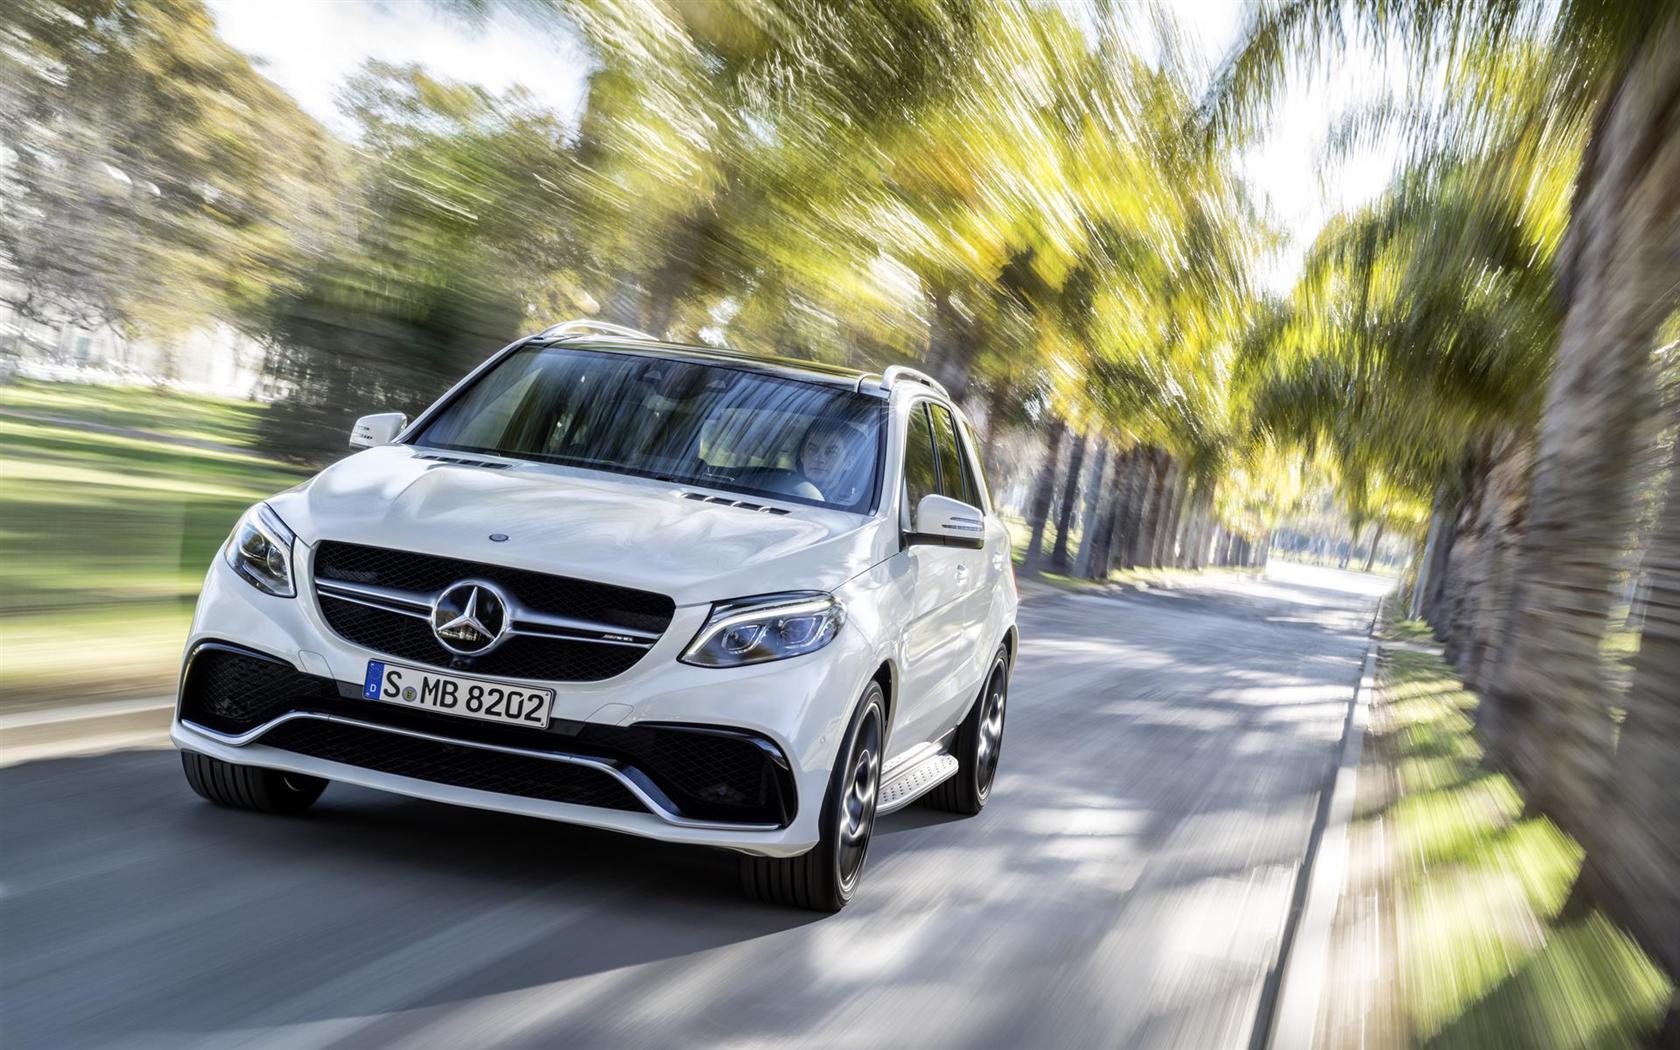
x: 454, y: 695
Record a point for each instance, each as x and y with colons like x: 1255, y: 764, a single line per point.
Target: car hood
x: 629, y: 531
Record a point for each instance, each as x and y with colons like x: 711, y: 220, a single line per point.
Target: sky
x: 310, y: 47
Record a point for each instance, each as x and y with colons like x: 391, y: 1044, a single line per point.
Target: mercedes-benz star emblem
x: 470, y: 617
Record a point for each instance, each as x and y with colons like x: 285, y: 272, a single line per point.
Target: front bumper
x: 615, y: 755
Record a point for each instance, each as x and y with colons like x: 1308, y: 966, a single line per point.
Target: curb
x: 1303, y: 956
x: 83, y: 728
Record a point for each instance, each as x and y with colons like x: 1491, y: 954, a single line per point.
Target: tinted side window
x: 976, y: 473
x: 953, y: 471
x: 919, y: 477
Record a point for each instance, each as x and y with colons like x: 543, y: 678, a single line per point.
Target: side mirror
x: 379, y: 429
x: 947, y: 521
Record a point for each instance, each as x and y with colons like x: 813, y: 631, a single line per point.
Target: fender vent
x: 700, y: 497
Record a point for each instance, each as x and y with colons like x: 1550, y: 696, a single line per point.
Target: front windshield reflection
x: 701, y: 423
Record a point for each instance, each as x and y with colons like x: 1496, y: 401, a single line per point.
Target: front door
x: 933, y: 637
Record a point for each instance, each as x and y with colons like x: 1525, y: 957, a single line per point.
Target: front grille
x: 519, y: 656
x: 453, y: 764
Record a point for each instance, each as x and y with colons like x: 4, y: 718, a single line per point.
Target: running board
x: 915, y: 781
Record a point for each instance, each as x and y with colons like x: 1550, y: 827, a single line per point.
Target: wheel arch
x: 887, y: 675
x: 1011, y: 642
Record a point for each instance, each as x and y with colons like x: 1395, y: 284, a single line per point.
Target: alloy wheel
x: 990, y: 743
x: 858, y: 800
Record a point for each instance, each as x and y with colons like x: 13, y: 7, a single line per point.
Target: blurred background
x: 1379, y: 286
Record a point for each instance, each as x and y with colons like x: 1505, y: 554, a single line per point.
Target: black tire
x: 978, y: 745
x: 825, y: 878
x: 249, y: 787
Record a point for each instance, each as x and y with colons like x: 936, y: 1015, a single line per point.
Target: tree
x: 1532, y: 81
x: 456, y: 236
x: 155, y: 180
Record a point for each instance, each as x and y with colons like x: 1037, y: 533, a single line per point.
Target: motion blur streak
x: 1464, y: 385
x: 1131, y: 891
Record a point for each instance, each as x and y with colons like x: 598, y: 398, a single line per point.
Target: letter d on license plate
x: 450, y: 694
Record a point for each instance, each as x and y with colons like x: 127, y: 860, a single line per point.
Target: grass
x: 1475, y: 886
x: 1020, y: 536
x: 153, y: 409
x: 106, y: 537
x: 1409, y: 631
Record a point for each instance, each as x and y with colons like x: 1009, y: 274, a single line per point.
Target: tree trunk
x: 1122, y: 475
x: 1166, y: 532
x: 1425, y: 563
x: 1092, y: 515
x: 1371, y: 555
x: 1507, y: 499
x: 1434, y: 599
x: 1143, y: 544
x: 1621, y: 261
x: 1070, y: 493
x: 1637, y: 851
x: 1044, y: 490
x: 1123, y: 554
x: 1197, y: 551
x: 995, y: 402
x: 1463, y: 576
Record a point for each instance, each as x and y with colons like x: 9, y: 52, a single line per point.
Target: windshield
x: 711, y: 425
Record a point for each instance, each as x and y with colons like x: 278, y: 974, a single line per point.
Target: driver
x: 826, y: 456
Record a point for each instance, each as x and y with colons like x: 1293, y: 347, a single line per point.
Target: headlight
x: 768, y: 627
x: 260, y: 550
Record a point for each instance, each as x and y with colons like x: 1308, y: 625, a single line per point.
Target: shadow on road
x: 1125, y: 887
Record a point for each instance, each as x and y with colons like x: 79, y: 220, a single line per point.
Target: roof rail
x: 896, y: 373
x: 585, y: 327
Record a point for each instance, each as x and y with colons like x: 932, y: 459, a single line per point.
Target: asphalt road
x: 1127, y: 886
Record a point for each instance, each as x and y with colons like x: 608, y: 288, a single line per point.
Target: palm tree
x: 1612, y: 71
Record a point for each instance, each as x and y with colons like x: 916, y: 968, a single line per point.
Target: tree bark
x: 1166, y: 533
x: 1093, y: 504
x: 1197, y: 551
x: 1425, y: 564
x: 1123, y: 553
x: 1122, y: 469
x: 1070, y: 493
x: 1462, y: 579
x: 1621, y: 264
x: 1044, y: 490
x: 1143, y: 544
x: 1637, y: 850
x: 1371, y: 555
x: 996, y: 399
x: 1434, y: 600
x: 1507, y: 499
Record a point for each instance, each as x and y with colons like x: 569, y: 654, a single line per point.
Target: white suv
x: 665, y: 590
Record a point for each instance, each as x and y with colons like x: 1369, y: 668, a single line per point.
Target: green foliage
x: 1426, y: 322
x: 153, y: 179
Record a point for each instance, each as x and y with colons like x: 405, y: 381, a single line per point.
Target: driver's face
x: 824, y: 457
